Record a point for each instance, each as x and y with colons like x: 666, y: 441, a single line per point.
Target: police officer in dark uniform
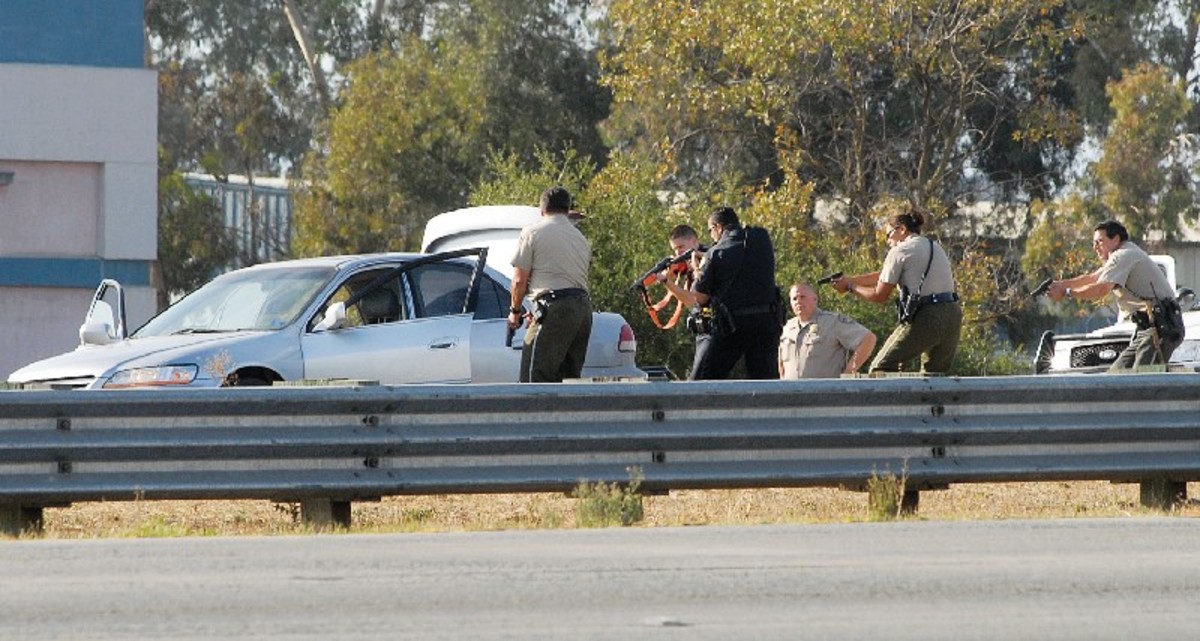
x: 736, y: 289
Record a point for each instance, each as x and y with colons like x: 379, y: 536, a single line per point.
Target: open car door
x: 404, y: 323
x: 102, y: 325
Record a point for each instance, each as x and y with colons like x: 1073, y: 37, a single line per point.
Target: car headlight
x: 153, y: 376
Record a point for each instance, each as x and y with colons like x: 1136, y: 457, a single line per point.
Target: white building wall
x: 81, y: 144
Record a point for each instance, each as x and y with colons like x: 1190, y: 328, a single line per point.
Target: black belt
x: 568, y: 292
x: 757, y: 309
x: 944, y: 297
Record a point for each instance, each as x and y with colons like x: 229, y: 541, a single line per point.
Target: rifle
x: 651, y: 276
x: 829, y: 278
x: 1042, y: 288
x: 677, y: 265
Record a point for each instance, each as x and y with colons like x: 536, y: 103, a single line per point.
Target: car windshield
x: 250, y: 299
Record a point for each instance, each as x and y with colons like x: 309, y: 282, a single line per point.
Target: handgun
x: 1041, y: 288
x: 829, y: 278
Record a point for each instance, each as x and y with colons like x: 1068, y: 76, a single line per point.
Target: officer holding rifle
x: 680, y: 272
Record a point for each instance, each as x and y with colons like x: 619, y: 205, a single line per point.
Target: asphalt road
x: 1077, y: 579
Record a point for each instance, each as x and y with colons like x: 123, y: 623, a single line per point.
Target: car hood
x: 93, y: 361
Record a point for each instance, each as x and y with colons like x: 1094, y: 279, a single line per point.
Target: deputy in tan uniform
x: 919, y: 267
x: 1142, y: 291
x: 820, y: 344
x: 551, y: 266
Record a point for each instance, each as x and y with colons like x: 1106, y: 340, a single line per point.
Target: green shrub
x: 885, y: 495
x: 608, y: 504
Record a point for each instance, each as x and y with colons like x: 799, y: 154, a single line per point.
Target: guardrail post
x: 323, y: 514
x: 16, y: 519
x: 1162, y: 494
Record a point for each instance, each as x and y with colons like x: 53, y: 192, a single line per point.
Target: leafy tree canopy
x: 867, y: 99
x: 417, y: 122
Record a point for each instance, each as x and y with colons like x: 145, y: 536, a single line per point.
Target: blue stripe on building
x: 73, y: 32
x: 84, y: 273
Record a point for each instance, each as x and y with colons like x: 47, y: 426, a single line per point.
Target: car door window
x: 493, y: 302
x: 440, y: 289
x: 384, y: 304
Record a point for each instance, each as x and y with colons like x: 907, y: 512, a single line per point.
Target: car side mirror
x: 335, y: 318
x: 94, y: 333
x: 97, y: 328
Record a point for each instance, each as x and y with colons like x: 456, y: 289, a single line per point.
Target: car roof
x: 476, y: 219
x: 339, y: 262
x: 353, y: 262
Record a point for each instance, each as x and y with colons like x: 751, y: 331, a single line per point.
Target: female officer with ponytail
x: 930, y: 316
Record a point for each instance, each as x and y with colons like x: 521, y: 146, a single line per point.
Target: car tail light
x: 627, y: 342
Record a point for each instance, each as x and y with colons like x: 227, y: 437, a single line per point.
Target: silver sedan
x: 393, y: 318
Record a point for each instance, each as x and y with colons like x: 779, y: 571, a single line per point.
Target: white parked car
x: 394, y: 318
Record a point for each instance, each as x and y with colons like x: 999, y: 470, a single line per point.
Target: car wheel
x: 246, y: 380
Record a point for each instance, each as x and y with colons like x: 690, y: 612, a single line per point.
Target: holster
x: 1166, y: 316
x: 714, y: 318
x: 907, y: 305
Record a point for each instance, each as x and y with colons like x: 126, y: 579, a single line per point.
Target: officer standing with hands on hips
x: 1142, y: 291
x: 551, y: 265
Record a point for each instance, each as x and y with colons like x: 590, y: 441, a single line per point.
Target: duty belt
x: 756, y: 309
x: 568, y: 292
x: 944, y: 297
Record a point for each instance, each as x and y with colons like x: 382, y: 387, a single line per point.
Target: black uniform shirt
x: 740, y: 269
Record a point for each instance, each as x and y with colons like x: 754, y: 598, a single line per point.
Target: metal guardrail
x: 327, y: 447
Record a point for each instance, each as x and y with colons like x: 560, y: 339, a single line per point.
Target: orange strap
x: 654, y: 312
x: 674, y: 317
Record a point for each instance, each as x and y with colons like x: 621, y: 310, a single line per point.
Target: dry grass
x: 529, y: 511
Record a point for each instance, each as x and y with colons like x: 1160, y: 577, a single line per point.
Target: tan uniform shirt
x: 820, y: 347
x: 555, y: 254
x: 1136, y: 276
x: 905, y: 264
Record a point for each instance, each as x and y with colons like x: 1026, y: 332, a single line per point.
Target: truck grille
x: 1097, y: 354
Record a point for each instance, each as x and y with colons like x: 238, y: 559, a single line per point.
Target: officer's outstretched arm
x: 845, y: 283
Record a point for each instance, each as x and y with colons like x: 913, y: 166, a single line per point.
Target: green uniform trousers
x: 932, y: 334
x: 556, y: 345
x: 1145, y: 348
